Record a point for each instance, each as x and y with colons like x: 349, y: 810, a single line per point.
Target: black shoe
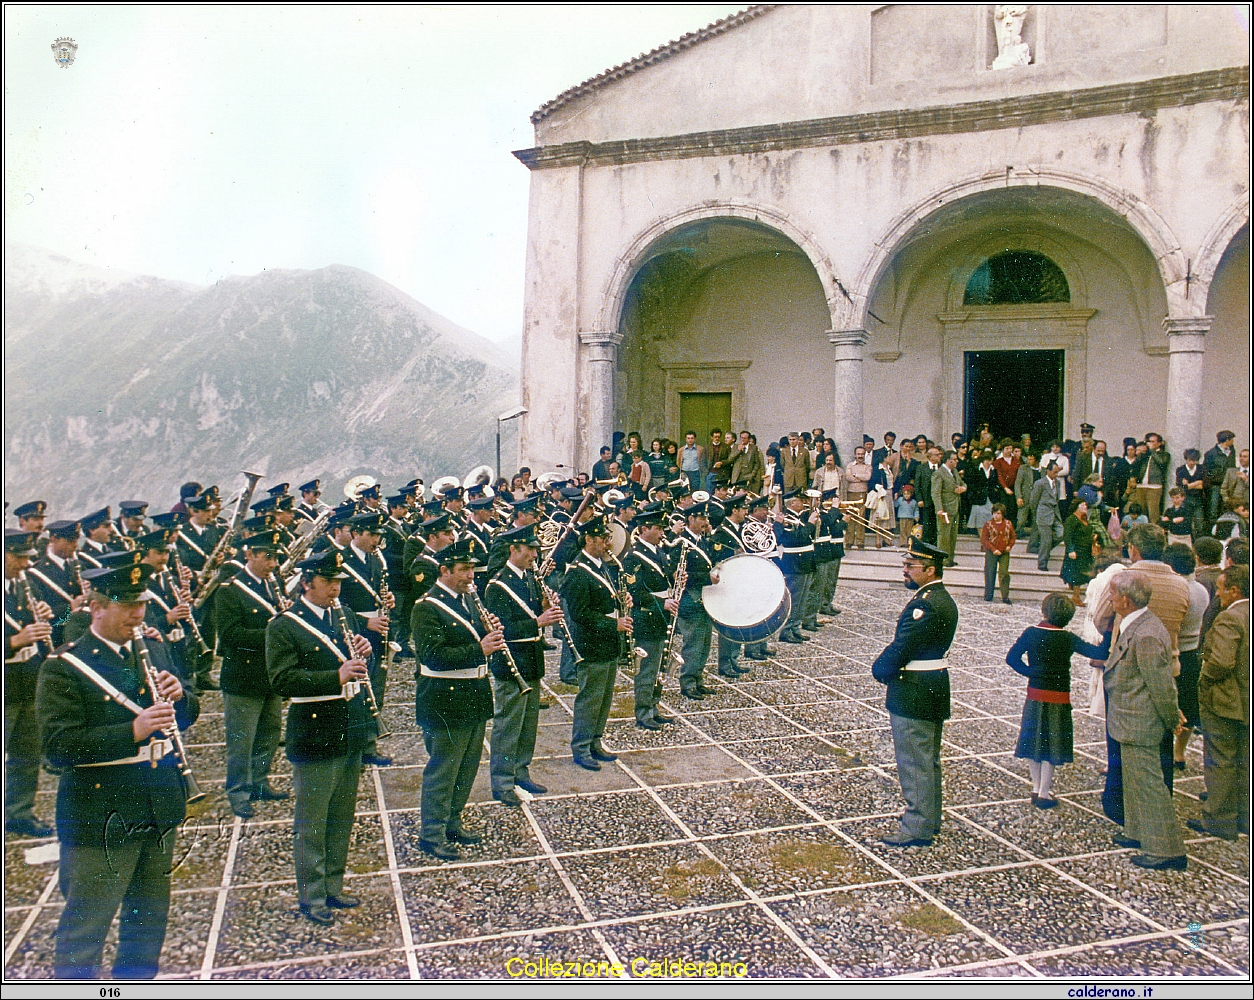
x: 244, y: 810
x: 507, y: 798
x: 342, y: 902
x: 1119, y: 840
x: 664, y: 719
x: 770, y: 650
x: 741, y: 671
x: 600, y: 753
x: 377, y: 759
x: 208, y: 684
x: 446, y: 852
x: 267, y: 793
x: 1178, y: 864
x: 460, y: 836
x: 755, y: 656
x: 829, y: 610
x: 648, y: 724
x: 901, y: 840
x: 1201, y: 827
x: 810, y: 628
x: 988, y: 600
x: 1007, y: 600
x: 318, y: 913
x: 733, y: 676
x: 792, y: 637
x: 28, y: 827
x: 587, y: 763
x: 692, y: 694
x: 545, y: 704
x: 1044, y: 803
x: 707, y: 691
x: 1179, y: 765
x: 534, y: 787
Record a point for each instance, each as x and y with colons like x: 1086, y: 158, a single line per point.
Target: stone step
x: 1021, y: 561
x: 876, y: 569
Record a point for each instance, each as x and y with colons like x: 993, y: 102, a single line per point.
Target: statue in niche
x: 1012, y: 50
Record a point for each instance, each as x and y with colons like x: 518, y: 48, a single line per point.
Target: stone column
x: 847, y: 425
x: 1186, y: 353
x: 600, y: 356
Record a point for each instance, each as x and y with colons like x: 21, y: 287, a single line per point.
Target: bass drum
x: 750, y: 601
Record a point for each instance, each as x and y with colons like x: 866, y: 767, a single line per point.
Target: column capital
x: 594, y: 339
x: 847, y: 338
x: 1178, y: 326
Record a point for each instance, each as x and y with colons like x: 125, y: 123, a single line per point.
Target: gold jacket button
x: 313, y: 715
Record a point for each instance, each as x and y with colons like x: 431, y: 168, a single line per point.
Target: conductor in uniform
x: 311, y: 661
x: 120, y: 798
x: 514, y: 598
x: 915, y: 669
x: 453, y: 698
x: 594, y: 621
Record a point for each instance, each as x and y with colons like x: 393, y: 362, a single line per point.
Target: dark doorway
x: 1015, y: 393
x: 702, y: 412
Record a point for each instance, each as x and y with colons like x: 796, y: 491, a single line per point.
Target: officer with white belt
x: 915, y: 668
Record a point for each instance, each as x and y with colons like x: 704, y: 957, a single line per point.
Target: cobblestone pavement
x: 746, y: 832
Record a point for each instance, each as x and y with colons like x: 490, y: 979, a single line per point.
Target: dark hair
x: 1058, y: 609
x: 605, y: 448
x: 998, y: 508
x: 1005, y: 443
x: 1135, y: 509
x: 714, y: 430
x: 693, y: 433
x: 893, y: 434
x: 752, y: 437
x: 773, y: 449
x: 1180, y: 558
x: 1239, y: 551
x: 1209, y: 550
x: 1237, y: 578
x: 1192, y: 453
x: 1109, y: 555
x: 1148, y: 539
x: 188, y: 490
x: 1223, y: 436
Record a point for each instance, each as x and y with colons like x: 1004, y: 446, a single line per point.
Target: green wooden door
x: 701, y: 412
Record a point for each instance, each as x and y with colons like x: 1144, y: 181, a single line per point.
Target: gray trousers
x: 1046, y: 537
x: 514, y: 725
x: 592, y: 704
x: 646, y: 678
x: 132, y: 873
x: 1149, y: 815
x: 697, y: 630
x: 728, y: 656
x: 21, y: 763
x: 828, y: 575
x: 917, y: 743
x: 799, y: 589
x: 253, y: 728
x: 326, y: 802
x: 453, y: 761
x: 1226, y: 749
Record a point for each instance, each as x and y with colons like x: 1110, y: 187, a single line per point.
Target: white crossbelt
x: 794, y: 551
x: 348, y: 692
x: 823, y: 538
x: 926, y: 665
x: 469, y: 674
x: 148, y: 752
x: 661, y: 595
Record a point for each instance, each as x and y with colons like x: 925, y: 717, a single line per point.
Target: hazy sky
x: 193, y: 143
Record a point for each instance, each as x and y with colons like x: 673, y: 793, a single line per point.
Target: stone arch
x: 626, y: 265
x: 1148, y: 224
x: 1216, y: 240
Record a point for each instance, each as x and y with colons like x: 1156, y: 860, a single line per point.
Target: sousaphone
x: 354, y: 488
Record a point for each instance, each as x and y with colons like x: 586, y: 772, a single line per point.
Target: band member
x: 478, y: 526
x: 453, y: 699
x: 339, y: 531
x: 647, y: 570
x: 824, y: 555
x: 365, y: 592
x: 831, y: 527
x: 371, y: 499
x: 694, y: 621
x: 724, y: 543
x: 57, y: 578
x: 195, y: 543
x: 453, y: 498
x: 27, y: 642
x: 121, y: 797
x: 594, y: 620
x: 169, y: 606
x: 30, y: 516
x: 525, y: 511
x: 97, y: 533
x: 392, y: 548
x: 130, y: 523
x: 514, y: 597
x: 311, y: 661
x: 915, y: 668
x: 794, y: 539
x: 760, y: 511
x: 310, y: 507
x: 422, y: 554
x: 253, y: 712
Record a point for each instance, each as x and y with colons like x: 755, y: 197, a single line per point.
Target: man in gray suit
x: 1044, y: 503
x: 945, y: 488
x: 1141, y: 708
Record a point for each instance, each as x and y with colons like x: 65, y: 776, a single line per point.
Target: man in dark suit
x: 923, y: 493
x: 1217, y: 461
x: 121, y: 797
x: 879, y: 454
x: 915, y: 669
x: 1141, y: 707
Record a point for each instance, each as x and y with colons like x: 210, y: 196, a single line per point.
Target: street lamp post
x: 516, y: 412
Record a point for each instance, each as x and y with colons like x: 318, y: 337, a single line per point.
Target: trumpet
x: 373, y: 702
x: 194, y: 794
x: 494, y: 625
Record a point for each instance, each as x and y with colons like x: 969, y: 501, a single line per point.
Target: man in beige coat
x: 798, y: 467
x: 1141, y: 709
x: 747, y: 464
x: 1170, y: 600
x: 1223, y: 693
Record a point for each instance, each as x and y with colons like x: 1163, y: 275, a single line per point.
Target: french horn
x: 757, y: 537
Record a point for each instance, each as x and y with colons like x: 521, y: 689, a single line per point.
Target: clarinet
x: 76, y: 573
x: 21, y: 589
x: 384, y: 593
x: 194, y: 794
x: 494, y: 625
x: 677, y: 591
x: 628, y: 652
x: 342, y: 618
x: 185, y: 597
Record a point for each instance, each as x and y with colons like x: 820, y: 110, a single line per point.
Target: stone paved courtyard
x: 746, y: 832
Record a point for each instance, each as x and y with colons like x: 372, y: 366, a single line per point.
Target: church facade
x: 908, y: 217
